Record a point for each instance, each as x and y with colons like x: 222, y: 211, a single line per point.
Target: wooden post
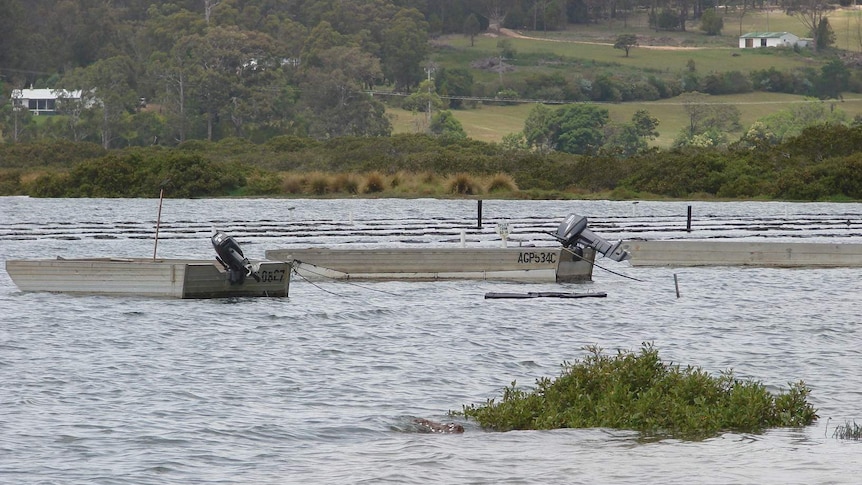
x: 158, y: 222
x: 688, y: 220
x: 479, y: 221
x: 676, y: 284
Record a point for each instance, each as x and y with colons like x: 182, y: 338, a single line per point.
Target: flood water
x: 323, y: 386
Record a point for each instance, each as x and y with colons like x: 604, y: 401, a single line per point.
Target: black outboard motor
x: 573, y: 234
x: 230, y: 256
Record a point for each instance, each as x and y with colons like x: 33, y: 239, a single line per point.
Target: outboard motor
x: 230, y: 256
x: 573, y: 234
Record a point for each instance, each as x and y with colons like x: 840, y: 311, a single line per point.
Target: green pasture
x: 589, y: 48
x: 490, y: 123
x: 537, y: 55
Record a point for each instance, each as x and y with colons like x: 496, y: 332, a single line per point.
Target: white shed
x: 42, y: 101
x: 769, y: 39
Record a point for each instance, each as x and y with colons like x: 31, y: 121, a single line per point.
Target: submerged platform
x: 743, y: 253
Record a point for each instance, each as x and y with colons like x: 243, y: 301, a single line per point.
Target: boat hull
x: 168, y: 278
x: 500, y: 264
x: 743, y: 253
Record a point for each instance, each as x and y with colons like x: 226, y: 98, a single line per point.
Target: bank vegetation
x: 823, y: 163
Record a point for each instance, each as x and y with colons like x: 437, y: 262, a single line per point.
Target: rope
x: 322, y: 275
x: 601, y: 267
x: 313, y: 284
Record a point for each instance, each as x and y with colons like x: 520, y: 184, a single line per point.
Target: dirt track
x: 516, y: 35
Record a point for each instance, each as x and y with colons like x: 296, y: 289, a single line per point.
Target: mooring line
x: 313, y: 284
x: 322, y: 275
x: 601, y: 267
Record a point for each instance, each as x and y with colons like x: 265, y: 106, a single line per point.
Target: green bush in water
x: 638, y: 391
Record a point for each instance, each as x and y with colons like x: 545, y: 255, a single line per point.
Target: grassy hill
x: 491, y: 123
x: 589, y: 48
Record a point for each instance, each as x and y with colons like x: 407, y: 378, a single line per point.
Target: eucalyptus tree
x: 405, y: 48
x: 333, y: 99
x: 811, y: 13
x: 226, y: 69
x: 106, y: 94
x: 538, y: 131
x: 578, y: 128
x: 471, y: 28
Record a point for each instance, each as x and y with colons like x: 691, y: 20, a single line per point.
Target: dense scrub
x: 638, y: 391
x: 822, y: 163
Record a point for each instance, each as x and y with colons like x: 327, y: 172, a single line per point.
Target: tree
x: 834, y: 79
x: 810, y: 12
x: 424, y: 100
x: 454, y: 82
x: 626, y: 42
x: 405, y: 47
x: 711, y: 22
x: 495, y: 11
x: 824, y: 36
x: 623, y: 140
x: 471, y: 28
x: 333, y: 99
x: 445, y: 125
x: 791, y: 122
x: 645, y: 125
x: 538, y: 131
x: 578, y: 128
x: 106, y: 93
x: 708, y: 121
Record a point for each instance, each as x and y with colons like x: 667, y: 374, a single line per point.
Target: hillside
x: 585, y: 50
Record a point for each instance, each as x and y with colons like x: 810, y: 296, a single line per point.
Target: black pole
x: 688, y: 221
x: 479, y: 221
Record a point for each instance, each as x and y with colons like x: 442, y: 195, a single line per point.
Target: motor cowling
x: 572, y: 233
x: 232, y: 259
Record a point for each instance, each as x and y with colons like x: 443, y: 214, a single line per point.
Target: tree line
x: 163, y: 73
x: 821, y: 162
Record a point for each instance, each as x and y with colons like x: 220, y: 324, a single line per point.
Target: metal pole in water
x: 676, y: 284
x: 688, y: 220
x: 158, y: 222
x: 479, y: 221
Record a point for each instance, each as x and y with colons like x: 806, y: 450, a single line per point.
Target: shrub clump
x: 638, y: 391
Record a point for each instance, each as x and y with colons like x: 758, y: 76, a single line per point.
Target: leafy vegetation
x: 823, y: 162
x: 638, y: 391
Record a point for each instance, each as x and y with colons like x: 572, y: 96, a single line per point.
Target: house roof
x: 765, y: 35
x: 44, y: 93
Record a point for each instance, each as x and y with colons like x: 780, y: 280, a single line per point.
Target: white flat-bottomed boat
x: 228, y: 275
x: 570, y: 262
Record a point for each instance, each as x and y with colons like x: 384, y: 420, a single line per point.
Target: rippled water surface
x: 322, y: 387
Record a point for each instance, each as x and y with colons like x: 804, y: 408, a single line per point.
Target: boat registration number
x: 530, y: 257
x: 274, y: 276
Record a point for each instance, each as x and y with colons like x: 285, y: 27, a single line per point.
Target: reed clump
x: 375, y: 183
x: 637, y: 391
x: 463, y: 184
x: 848, y: 431
x: 345, y: 183
x: 318, y: 183
x: 502, y: 182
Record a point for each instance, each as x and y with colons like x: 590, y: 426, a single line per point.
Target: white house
x: 42, y: 101
x: 770, y: 39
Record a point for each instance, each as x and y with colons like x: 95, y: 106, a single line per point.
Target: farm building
x: 770, y: 39
x: 42, y: 101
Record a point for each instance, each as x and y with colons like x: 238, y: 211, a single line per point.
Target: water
x: 322, y: 387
